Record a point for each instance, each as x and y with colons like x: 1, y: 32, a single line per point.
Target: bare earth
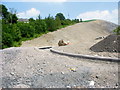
x: 82, y: 36
x: 30, y: 67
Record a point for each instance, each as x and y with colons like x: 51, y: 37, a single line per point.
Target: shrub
x: 40, y: 26
x: 7, y: 40
x: 51, y: 24
x: 26, y: 29
x: 117, y: 30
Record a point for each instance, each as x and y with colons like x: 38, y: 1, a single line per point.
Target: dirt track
x: 27, y: 66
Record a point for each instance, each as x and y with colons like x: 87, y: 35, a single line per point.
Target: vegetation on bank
x: 14, y: 31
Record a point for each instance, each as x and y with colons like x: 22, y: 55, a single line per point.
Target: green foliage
x: 4, y: 11
x: 16, y: 33
x: 40, y: 26
x: 60, y: 15
x: 26, y: 29
x: 8, y: 16
x: 51, y: 24
x: 58, y: 22
x: 7, y: 40
x: 67, y: 22
x: 13, y: 31
x: 31, y: 20
x: 117, y: 30
x: 76, y: 20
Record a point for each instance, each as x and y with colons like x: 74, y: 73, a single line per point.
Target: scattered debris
x: 73, y: 69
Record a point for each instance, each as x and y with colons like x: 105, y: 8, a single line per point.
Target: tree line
x: 14, y: 31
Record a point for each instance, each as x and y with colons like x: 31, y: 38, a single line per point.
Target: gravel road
x: 39, y: 68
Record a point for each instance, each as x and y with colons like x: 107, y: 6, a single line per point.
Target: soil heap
x: 110, y: 44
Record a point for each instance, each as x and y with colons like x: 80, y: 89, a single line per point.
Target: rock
x: 97, y: 76
x: 91, y: 83
x: 62, y: 73
x: 74, y: 85
x: 116, y: 84
x: 12, y: 73
x: 68, y: 86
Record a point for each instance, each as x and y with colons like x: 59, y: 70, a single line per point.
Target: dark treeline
x: 14, y: 31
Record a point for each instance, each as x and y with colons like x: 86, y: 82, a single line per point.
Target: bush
x: 117, y: 30
x: 40, y: 26
x: 51, y: 24
x: 16, y: 34
x: 26, y: 29
x: 7, y: 40
x: 66, y: 22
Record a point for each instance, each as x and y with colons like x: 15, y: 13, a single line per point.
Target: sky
x: 71, y: 9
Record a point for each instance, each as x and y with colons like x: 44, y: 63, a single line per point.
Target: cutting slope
x: 83, y: 33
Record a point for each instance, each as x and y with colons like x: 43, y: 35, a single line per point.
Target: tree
x: 117, y: 30
x: 9, y: 17
x: 51, y: 24
x: 60, y: 15
x: 58, y: 22
x: 31, y: 20
x: 39, y: 17
x: 4, y: 11
x: 26, y: 29
x: 12, y: 16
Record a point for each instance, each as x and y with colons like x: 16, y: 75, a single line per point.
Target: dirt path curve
x: 81, y: 37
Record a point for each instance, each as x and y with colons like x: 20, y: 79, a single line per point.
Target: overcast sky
x: 86, y: 10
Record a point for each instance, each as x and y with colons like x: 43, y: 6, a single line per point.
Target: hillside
x: 83, y: 33
x: 82, y: 37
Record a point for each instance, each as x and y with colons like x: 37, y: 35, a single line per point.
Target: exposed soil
x: 110, y: 44
x: 82, y: 37
x: 30, y: 66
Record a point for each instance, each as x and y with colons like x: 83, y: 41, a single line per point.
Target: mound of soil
x: 110, y: 44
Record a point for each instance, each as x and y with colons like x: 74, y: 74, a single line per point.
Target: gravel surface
x: 82, y: 37
x: 30, y: 67
x: 26, y: 67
